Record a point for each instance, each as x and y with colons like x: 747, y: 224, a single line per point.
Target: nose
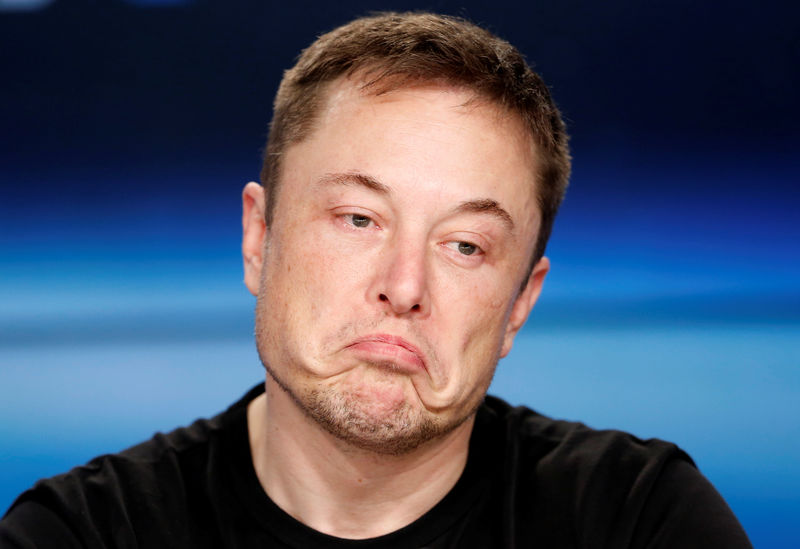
x: 401, y: 283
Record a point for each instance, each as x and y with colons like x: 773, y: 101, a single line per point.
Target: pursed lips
x: 390, y: 347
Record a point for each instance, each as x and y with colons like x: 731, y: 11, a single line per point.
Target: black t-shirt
x: 529, y: 482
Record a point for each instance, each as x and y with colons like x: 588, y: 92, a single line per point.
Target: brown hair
x: 393, y: 49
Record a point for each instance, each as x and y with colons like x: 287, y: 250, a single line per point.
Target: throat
x: 342, y: 491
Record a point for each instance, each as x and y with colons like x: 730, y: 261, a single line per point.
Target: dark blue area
x: 129, y: 131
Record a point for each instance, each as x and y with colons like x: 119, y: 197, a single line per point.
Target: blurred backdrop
x: 672, y: 310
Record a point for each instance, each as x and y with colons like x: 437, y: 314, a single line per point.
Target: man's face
x: 390, y: 279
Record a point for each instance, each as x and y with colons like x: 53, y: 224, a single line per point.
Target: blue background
x: 672, y: 309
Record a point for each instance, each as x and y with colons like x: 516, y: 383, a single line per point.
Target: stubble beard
x: 347, y: 417
x: 344, y: 415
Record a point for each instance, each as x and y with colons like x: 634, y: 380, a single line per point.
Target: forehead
x: 422, y: 135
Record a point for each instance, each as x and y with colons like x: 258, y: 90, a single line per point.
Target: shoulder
x: 571, y: 446
x: 141, y: 489
x: 589, y: 484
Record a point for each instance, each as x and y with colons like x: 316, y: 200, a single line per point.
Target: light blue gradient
x: 94, y: 365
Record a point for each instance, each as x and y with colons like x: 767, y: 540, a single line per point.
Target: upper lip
x: 392, y: 340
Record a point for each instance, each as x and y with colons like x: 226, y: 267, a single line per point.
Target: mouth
x: 388, y: 348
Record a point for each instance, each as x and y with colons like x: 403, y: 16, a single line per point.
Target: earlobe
x: 524, y: 303
x: 253, y: 234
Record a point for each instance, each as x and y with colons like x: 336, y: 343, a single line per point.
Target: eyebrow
x: 487, y: 206
x: 357, y: 180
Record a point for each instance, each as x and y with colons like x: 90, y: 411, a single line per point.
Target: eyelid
x: 475, y: 238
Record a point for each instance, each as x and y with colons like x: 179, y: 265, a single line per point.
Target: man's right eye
x: 358, y: 220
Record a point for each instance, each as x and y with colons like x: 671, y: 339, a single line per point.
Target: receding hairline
x: 363, y: 81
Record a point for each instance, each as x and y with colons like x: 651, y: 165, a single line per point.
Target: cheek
x: 480, y: 321
x: 476, y: 306
x: 314, y: 272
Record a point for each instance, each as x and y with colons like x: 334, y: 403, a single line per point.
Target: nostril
x: 415, y: 307
x: 383, y: 297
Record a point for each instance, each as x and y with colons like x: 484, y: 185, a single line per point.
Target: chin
x: 372, y: 425
x: 377, y: 417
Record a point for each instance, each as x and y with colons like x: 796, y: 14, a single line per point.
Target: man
x: 413, y: 170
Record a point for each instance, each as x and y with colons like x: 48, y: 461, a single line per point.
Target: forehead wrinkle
x: 355, y: 179
x: 487, y: 206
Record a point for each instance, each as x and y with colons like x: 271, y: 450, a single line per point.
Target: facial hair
x: 344, y: 414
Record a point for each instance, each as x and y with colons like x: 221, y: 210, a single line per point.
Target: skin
x: 388, y: 288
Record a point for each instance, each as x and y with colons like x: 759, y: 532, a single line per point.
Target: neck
x: 340, y: 490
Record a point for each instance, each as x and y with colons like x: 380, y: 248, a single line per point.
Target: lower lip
x: 379, y: 350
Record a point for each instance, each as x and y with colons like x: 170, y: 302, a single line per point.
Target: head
x: 414, y: 163
x: 393, y: 50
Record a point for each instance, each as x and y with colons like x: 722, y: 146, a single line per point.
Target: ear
x: 253, y: 234
x: 524, y: 303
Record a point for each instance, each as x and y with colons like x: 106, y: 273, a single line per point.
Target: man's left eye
x: 465, y: 248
